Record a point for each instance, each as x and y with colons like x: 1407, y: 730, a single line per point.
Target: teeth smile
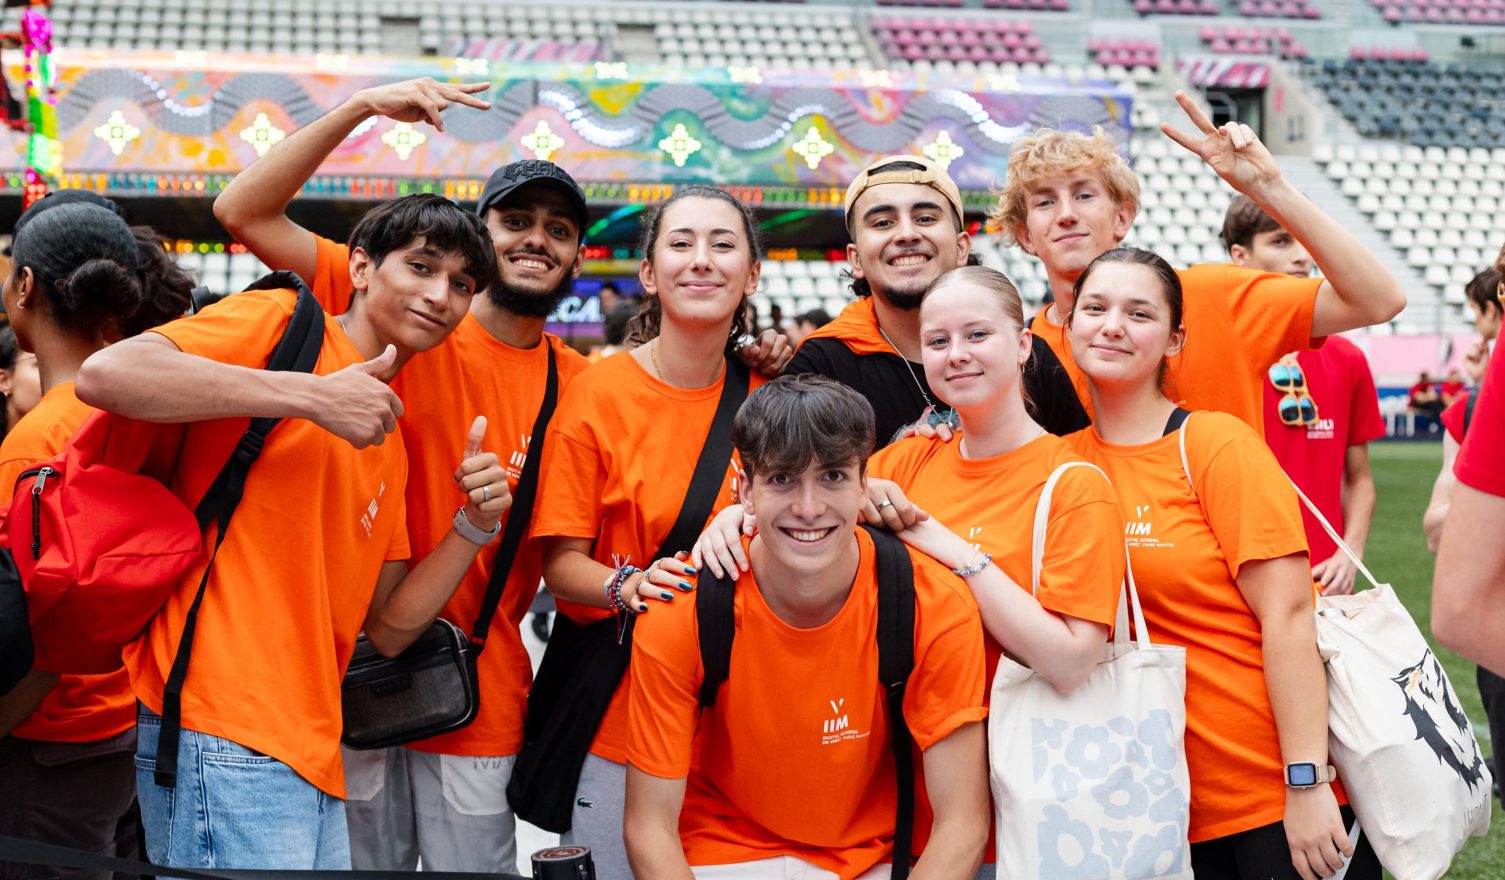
x: 913, y: 260
x: 808, y: 535
x: 532, y: 264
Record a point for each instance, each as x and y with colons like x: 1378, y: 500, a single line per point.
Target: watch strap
x: 473, y: 533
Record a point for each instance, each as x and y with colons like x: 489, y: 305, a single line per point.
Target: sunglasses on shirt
x: 1296, y: 407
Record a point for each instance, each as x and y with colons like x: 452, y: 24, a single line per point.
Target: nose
x: 956, y: 353
x: 436, y: 291
x: 1113, y: 324
x: 1065, y: 212
x: 807, y: 501
x: 700, y: 256
x: 906, y: 229
x: 535, y: 237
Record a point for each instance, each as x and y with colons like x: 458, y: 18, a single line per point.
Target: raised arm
x: 1359, y: 291
x: 253, y: 207
x: 147, y: 377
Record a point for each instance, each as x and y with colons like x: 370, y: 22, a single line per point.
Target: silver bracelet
x: 974, y: 568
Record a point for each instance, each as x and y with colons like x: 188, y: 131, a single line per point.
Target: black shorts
x: 1263, y: 854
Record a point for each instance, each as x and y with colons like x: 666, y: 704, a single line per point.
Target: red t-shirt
x: 1452, y: 417
x: 1478, y: 463
x: 1340, y: 383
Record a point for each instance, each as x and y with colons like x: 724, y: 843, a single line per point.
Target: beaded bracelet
x: 614, y: 586
x: 974, y: 568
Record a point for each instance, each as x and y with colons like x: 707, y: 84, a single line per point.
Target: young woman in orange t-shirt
x: 1219, y: 554
x: 615, y: 477
x: 80, y: 279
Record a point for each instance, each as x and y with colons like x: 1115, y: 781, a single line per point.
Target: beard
x: 905, y: 299
x: 527, y: 303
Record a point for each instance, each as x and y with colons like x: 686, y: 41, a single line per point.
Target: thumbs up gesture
x: 483, y: 480
x: 355, y: 403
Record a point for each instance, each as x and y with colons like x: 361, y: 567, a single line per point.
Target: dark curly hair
x: 646, y: 324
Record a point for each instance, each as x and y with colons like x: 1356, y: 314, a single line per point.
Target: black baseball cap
x: 508, y: 178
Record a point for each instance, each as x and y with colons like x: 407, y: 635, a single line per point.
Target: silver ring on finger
x: 485, y: 493
x: 885, y: 503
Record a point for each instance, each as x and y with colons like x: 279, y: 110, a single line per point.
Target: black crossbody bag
x: 584, y: 663
x: 432, y: 687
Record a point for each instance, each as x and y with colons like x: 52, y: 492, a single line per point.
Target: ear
x: 1123, y: 218
x: 25, y: 283
x: 854, y: 261
x: 579, y: 263
x: 1239, y: 254
x: 744, y: 490
x: 7, y: 382
x: 1026, y: 346
x: 752, y: 279
x: 645, y: 275
x: 1178, y: 341
x: 963, y: 247
x: 1021, y: 235
x: 362, y: 267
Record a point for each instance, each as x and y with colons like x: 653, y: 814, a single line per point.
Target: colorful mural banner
x: 200, y: 114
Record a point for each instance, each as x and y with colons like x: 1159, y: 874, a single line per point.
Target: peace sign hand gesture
x: 421, y: 100
x: 1234, y: 151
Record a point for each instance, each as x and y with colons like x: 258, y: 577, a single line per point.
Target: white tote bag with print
x: 1404, y: 750
x: 1092, y: 784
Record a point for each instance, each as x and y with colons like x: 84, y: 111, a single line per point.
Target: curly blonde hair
x: 1051, y: 153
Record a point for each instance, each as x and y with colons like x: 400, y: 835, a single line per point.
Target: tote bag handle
x: 1128, y: 594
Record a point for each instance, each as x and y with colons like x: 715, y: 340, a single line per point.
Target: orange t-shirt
x: 1187, y: 548
x: 991, y: 502
x: 80, y: 708
x: 795, y: 757
x: 620, y: 454
x: 294, y: 578
x: 1238, y: 322
x: 443, y: 389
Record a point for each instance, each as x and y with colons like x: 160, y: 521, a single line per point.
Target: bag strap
x: 521, y: 512
x: 1468, y: 410
x: 1316, y: 514
x: 896, y: 627
x: 1128, y: 593
x: 297, y: 351
x: 715, y: 620
x: 710, y: 468
x: 1177, y: 419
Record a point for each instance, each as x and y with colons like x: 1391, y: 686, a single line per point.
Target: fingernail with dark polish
x: 642, y: 606
x: 686, y: 586
x: 666, y: 594
x: 689, y: 569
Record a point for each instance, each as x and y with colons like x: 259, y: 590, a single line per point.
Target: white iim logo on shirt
x: 519, y: 457
x: 368, y: 518
x: 838, y: 727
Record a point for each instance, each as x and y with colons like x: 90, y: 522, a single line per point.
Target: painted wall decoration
x: 189, y: 113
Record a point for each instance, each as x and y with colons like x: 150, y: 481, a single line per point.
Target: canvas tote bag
x: 1404, y: 750
x: 1093, y: 783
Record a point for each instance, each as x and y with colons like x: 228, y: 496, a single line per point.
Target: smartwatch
x: 1305, y: 774
x: 472, y: 534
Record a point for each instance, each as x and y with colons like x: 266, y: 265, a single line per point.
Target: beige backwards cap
x: 929, y: 174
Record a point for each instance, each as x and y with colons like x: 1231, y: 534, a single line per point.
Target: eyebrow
x: 685, y: 230
x: 883, y: 209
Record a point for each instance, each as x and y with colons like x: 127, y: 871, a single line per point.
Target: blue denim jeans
x: 234, y: 808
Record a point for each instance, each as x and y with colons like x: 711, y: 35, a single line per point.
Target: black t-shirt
x: 892, y: 385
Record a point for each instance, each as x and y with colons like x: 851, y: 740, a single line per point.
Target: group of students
x: 375, y: 507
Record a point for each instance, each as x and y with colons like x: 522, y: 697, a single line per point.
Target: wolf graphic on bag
x: 1440, y: 723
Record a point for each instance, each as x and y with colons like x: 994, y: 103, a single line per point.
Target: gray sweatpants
x: 596, y: 821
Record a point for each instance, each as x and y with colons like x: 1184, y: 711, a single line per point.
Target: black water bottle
x: 564, y: 863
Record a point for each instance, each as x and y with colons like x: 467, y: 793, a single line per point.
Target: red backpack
x: 100, y: 544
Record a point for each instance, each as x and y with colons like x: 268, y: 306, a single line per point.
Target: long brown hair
x: 648, y: 322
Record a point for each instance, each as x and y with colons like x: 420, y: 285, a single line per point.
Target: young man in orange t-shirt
x: 791, y: 768
x: 443, y: 800
x: 1070, y: 197
x: 317, y: 550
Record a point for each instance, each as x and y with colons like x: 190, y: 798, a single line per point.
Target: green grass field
x: 1397, y: 552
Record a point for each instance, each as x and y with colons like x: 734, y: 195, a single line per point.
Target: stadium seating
x: 1442, y: 11
x: 1176, y: 7
x: 959, y: 39
x: 1417, y: 101
x: 1241, y: 40
x: 1125, y: 53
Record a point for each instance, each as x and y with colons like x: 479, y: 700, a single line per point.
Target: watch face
x: 1301, y: 774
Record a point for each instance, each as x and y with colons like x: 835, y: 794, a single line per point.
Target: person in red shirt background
x: 1453, y: 387
x: 1321, y: 408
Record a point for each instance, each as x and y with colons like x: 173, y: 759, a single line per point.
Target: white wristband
x: 471, y: 533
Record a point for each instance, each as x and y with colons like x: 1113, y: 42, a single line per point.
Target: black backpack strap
x: 521, y: 512
x: 297, y: 351
x: 715, y: 620
x: 1173, y: 424
x: 710, y: 468
x: 896, y: 626
x: 1468, y: 409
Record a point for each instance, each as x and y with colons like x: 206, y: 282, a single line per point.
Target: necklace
x: 908, y: 367
x: 658, y: 372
